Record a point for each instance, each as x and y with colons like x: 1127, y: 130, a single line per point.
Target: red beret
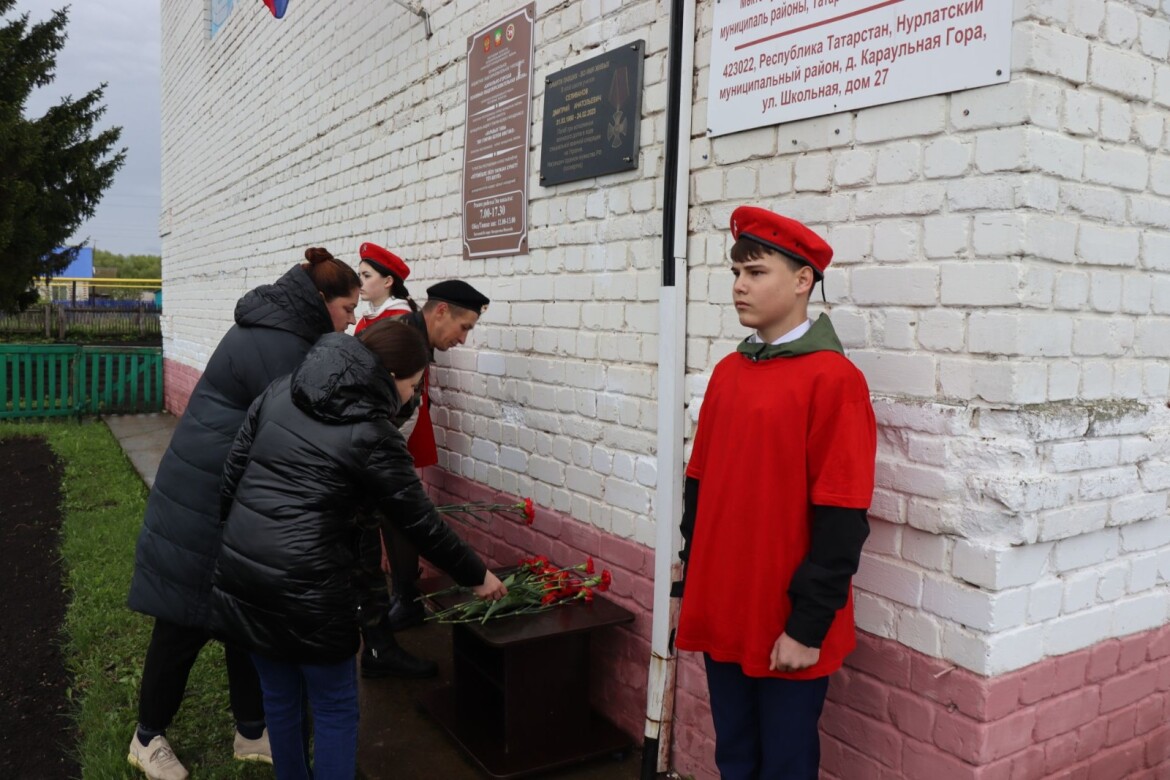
x: 384, y: 260
x: 786, y: 236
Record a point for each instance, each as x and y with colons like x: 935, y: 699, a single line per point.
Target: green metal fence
x: 57, y: 380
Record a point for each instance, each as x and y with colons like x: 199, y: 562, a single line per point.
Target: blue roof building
x: 82, y: 265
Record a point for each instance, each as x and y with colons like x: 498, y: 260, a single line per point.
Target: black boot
x: 405, y: 612
x: 390, y: 660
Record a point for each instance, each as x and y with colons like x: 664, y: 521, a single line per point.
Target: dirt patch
x: 37, y: 733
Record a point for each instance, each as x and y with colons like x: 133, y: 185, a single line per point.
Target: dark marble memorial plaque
x: 592, y: 117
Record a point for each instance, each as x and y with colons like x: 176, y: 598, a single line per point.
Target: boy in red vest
x: 777, y: 488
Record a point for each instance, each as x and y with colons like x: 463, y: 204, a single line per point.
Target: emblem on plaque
x: 619, y: 92
x: 593, y: 116
x: 617, y: 129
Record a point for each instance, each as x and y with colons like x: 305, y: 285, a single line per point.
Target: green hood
x: 820, y: 338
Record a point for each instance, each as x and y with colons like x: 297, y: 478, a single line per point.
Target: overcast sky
x: 115, y: 41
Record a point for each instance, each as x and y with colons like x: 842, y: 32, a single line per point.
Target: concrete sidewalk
x: 144, y: 438
x: 396, y: 740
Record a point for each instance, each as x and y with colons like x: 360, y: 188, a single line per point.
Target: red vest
x: 775, y: 437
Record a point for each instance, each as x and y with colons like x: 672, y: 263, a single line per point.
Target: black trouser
x: 169, y: 658
x: 403, y: 557
x: 373, y: 593
x: 765, y: 727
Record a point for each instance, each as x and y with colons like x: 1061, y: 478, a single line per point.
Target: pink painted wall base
x: 894, y: 714
x: 178, y: 383
x: 1096, y: 713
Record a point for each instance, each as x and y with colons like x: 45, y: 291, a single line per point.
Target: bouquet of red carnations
x: 534, y: 586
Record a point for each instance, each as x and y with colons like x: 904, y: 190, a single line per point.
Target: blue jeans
x: 765, y: 727
x: 331, y: 691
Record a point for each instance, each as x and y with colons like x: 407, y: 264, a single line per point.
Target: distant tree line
x: 127, y: 266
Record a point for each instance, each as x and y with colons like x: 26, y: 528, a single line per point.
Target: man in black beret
x: 452, y: 309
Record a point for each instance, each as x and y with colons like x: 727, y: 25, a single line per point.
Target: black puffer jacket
x: 317, y: 449
x: 275, y: 326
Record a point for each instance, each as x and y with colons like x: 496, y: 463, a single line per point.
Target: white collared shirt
x: 389, y: 303
x: 791, y: 335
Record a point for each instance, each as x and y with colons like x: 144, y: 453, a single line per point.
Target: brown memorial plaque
x: 592, y: 116
x: 495, y: 150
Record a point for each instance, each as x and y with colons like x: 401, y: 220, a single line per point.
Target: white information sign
x: 775, y: 61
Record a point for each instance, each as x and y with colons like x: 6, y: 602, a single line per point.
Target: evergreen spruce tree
x: 53, y: 168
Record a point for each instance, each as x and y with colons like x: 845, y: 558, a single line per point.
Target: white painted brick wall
x: 1062, y: 497
x: 1001, y: 276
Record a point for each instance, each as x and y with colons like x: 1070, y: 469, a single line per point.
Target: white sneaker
x: 253, y: 749
x: 157, y: 759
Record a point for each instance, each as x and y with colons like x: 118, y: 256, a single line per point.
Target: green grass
x: 103, y: 500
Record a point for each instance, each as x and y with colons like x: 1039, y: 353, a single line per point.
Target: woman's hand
x: 491, y: 588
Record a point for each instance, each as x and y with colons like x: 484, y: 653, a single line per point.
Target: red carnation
x: 537, y: 586
x: 529, y: 511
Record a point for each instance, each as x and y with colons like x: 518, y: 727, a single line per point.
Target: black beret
x: 458, y: 293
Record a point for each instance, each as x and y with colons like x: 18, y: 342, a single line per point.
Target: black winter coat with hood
x: 275, y: 326
x: 318, y: 449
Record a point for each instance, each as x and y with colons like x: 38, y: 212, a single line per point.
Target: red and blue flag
x: 277, y: 7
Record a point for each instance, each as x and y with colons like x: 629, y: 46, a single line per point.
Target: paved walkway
x: 396, y: 740
x: 144, y: 437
